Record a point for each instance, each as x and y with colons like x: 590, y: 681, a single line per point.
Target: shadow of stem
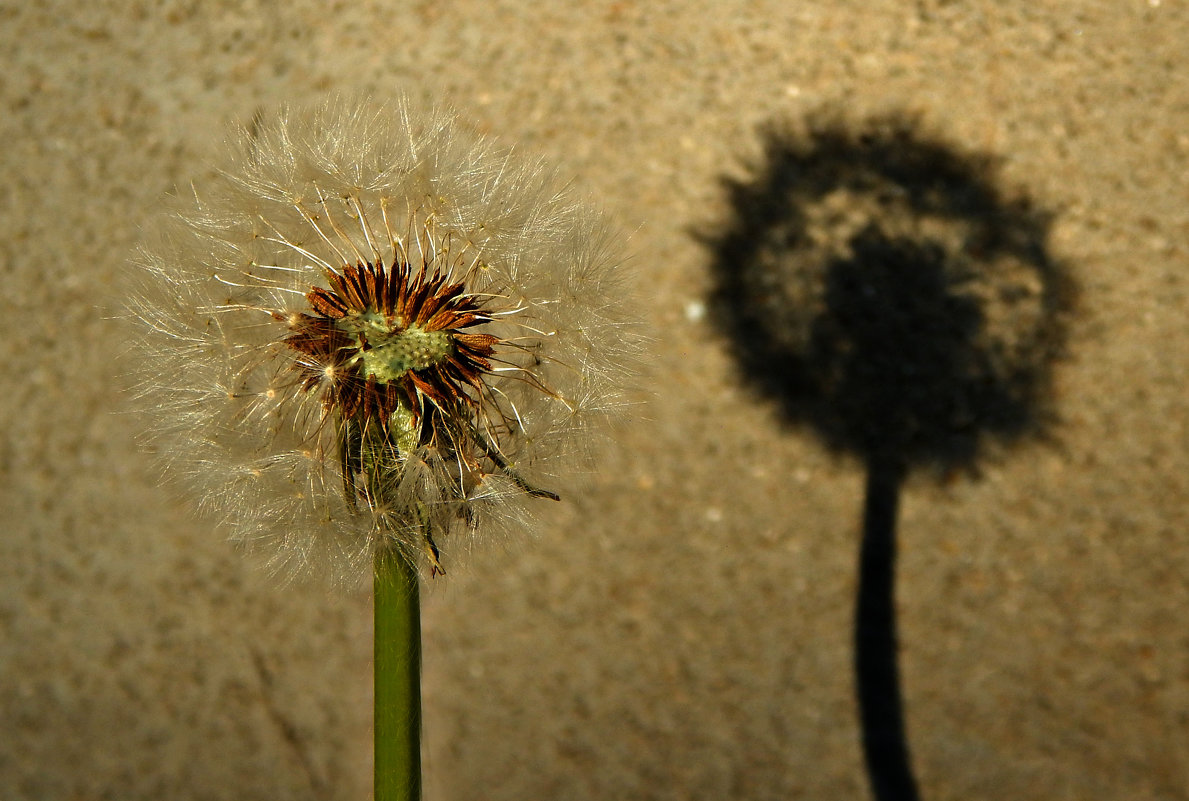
x: 885, y: 744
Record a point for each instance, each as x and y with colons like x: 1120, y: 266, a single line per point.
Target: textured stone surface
x: 682, y: 629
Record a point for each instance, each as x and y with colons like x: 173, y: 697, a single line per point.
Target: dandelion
x: 373, y: 330
x: 371, y: 337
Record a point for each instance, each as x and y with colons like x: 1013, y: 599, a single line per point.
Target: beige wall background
x: 682, y: 629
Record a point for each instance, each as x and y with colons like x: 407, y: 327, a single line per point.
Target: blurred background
x: 683, y: 629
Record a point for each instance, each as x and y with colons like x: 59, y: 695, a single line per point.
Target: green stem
x: 397, y: 678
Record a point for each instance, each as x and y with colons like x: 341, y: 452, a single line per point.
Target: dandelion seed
x: 374, y: 331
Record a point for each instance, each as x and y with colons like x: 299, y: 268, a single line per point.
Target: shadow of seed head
x: 879, y: 287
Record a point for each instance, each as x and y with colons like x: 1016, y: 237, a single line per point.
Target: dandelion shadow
x: 878, y: 287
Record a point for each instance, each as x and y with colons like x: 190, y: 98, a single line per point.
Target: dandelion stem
x: 398, y: 679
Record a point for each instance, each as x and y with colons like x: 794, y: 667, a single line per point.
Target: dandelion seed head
x: 375, y: 330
